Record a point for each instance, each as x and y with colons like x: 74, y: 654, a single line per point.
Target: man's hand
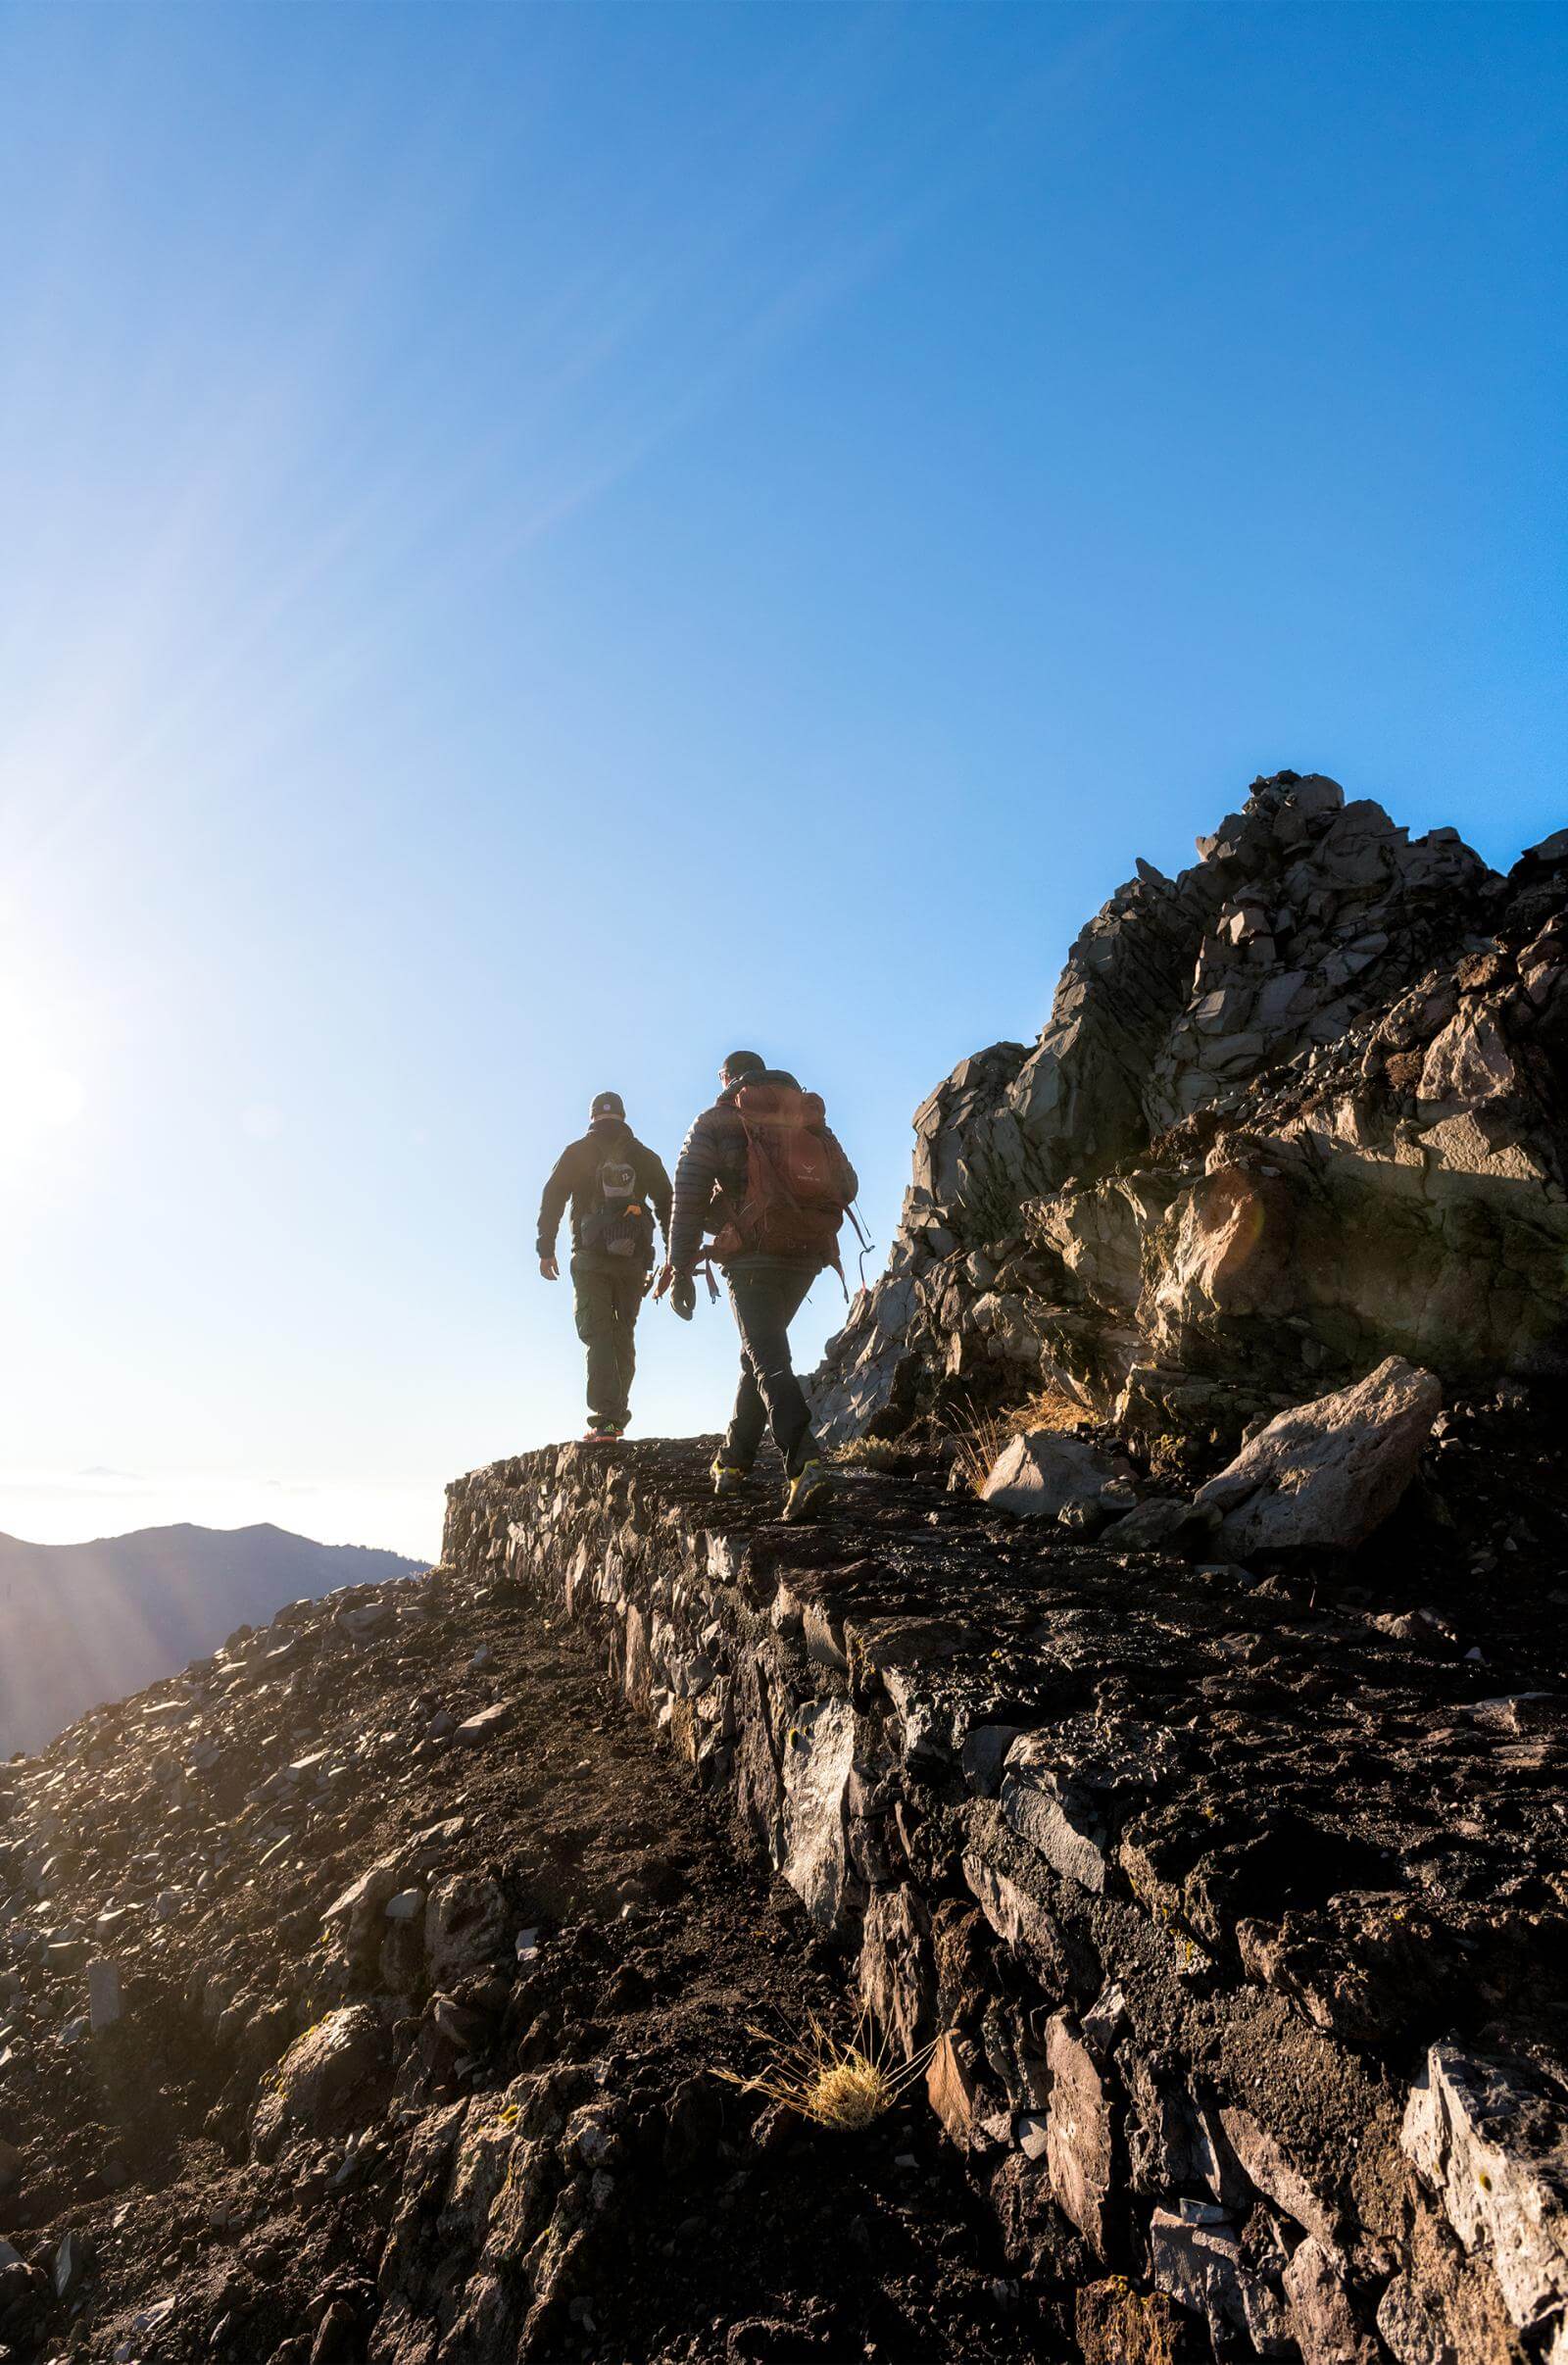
x: 548, y: 1269
x: 683, y: 1296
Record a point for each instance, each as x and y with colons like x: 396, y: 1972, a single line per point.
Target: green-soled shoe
x: 809, y: 1491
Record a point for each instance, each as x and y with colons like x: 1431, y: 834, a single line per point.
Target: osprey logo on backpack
x: 622, y: 1223
x: 796, y: 1194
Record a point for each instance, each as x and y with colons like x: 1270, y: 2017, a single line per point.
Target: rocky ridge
x: 86, y: 1622
x: 1237, y: 1901
x: 1195, y: 1790
x: 1300, y: 1108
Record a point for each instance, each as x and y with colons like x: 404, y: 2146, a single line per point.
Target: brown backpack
x: 796, y: 1194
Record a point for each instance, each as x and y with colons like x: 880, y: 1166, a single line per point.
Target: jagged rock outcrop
x: 1243, y: 1921
x: 1301, y: 1109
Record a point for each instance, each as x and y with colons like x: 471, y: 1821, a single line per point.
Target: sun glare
x: 38, y: 1094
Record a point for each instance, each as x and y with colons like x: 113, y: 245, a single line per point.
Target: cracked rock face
x: 1489, y: 2145
x: 1301, y: 1109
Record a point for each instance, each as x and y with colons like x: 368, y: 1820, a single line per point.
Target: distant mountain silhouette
x: 81, y: 1623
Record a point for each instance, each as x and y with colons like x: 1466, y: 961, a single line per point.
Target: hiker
x: 616, y: 1186
x: 761, y: 1168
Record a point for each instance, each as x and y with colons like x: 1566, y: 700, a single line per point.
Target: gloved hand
x: 683, y: 1296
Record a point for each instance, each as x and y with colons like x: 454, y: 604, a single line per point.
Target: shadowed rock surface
x: 363, y: 1994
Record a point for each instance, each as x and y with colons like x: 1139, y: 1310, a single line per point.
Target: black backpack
x: 621, y: 1225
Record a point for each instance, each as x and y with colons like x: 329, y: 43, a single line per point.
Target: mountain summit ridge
x: 84, y: 1623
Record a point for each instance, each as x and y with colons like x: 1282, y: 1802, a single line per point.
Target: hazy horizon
x: 66, y: 1507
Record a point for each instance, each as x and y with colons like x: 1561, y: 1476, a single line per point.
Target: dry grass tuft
x: 839, y: 2083
x: 876, y: 1453
x: 979, y: 1436
x: 1051, y: 1408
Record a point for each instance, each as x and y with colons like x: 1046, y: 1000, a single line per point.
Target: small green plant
x: 834, y: 2081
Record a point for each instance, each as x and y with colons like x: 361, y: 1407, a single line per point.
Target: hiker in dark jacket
x: 616, y: 1186
x: 767, y: 1281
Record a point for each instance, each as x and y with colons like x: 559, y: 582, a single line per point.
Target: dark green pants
x: 767, y: 1294
x: 608, y: 1299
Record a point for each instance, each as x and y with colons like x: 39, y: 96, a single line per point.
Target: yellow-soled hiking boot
x: 809, y: 1491
x: 728, y: 1477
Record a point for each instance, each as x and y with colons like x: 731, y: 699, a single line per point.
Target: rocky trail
x: 573, y: 1951
x: 1210, y: 1874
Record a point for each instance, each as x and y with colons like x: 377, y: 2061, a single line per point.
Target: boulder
x: 818, y: 1759
x: 1166, y: 1524
x: 353, y: 1919
x: 950, y: 2089
x: 1329, y: 1472
x: 466, y: 1926
x: 330, y: 2079
x: 1042, y: 1473
x: 1068, y: 1789
x: 1322, y: 2322
x: 485, y: 1724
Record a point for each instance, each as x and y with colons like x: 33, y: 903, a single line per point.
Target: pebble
x: 486, y: 1724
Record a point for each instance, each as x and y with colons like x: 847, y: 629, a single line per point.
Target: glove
x: 683, y: 1296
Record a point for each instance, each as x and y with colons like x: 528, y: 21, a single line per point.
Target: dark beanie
x: 608, y: 1103
x: 743, y: 1064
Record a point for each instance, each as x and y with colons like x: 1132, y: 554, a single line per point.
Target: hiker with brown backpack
x: 762, y: 1171
x: 618, y: 1186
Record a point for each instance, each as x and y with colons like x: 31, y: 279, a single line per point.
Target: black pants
x: 607, y: 1304
x: 766, y: 1295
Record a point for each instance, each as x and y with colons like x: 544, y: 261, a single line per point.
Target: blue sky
x: 544, y: 542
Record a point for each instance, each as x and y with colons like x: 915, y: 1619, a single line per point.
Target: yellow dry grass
x: 838, y: 2083
x: 875, y: 1454
x: 979, y: 1436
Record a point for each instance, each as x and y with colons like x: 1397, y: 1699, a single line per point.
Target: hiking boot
x: 808, y: 1491
x: 728, y: 1477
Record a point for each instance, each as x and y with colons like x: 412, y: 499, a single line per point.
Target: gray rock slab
x: 1492, y: 2147
x: 1331, y: 1471
x: 1039, y: 1473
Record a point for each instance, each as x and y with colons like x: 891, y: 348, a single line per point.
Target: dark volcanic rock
x: 1244, y: 1921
